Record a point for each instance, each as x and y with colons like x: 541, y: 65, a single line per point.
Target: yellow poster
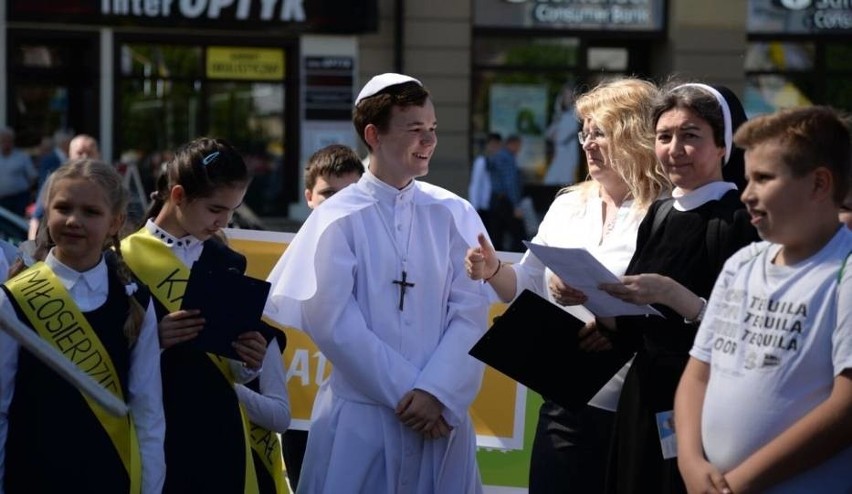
x: 498, y: 411
x: 245, y: 63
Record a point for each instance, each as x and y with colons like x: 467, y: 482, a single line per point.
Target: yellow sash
x: 267, y: 445
x: 56, y: 318
x: 166, y: 277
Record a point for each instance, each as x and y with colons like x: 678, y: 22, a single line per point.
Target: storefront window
x: 838, y: 56
x: 41, y: 56
x: 526, y: 52
x: 779, y: 56
x: 839, y: 80
x: 250, y: 114
x: 53, y: 84
x: 780, y: 74
x: 157, y: 114
x: 770, y: 92
x: 515, y: 88
x: 42, y: 109
x: 171, y: 94
x: 147, y: 60
x: 610, y: 59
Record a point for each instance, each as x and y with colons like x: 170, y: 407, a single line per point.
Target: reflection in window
x: 40, y: 108
x: 768, y: 93
x: 783, y: 74
x: 610, y: 59
x: 838, y: 56
x: 839, y: 92
x: 37, y: 56
x: 149, y: 60
x: 523, y: 103
x: 779, y: 55
x: 535, y: 52
x: 167, y: 99
x: 157, y: 115
x: 250, y: 115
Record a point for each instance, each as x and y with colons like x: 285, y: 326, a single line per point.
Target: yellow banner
x: 497, y: 412
x: 245, y: 63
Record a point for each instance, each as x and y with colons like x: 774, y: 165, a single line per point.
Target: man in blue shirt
x: 506, y: 186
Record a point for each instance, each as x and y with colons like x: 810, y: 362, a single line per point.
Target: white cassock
x: 336, y: 282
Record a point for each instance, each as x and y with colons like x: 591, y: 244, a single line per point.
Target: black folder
x: 535, y: 343
x: 230, y: 303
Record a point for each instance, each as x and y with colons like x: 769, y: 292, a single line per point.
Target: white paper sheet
x: 579, y: 269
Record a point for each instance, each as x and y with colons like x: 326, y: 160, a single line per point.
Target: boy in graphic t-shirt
x: 765, y: 403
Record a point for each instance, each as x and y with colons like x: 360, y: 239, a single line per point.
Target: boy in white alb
x: 376, y: 278
x: 765, y: 403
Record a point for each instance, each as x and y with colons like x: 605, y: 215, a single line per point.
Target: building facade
x: 277, y: 77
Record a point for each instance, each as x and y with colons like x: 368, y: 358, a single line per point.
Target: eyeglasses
x: 594, y: 135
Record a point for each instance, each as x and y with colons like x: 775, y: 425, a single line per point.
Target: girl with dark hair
x: 681, y: 246
x: 209, y: 443
x: 83, y: 301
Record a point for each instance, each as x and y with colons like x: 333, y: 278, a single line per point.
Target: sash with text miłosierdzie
x: 53, y: 314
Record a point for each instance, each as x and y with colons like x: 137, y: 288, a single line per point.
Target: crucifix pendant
x: 403, y: 284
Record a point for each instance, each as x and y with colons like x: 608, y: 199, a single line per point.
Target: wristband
x: 499, y: 265
x: 700, y: 314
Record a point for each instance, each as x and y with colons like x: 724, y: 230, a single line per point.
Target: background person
x: 57, y: 155
x: 328, y: 171
x: 506, y: 225
x: 479, y: 190
x: 17, y: 174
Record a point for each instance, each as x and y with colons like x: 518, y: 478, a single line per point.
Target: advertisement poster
x: 521, y: 109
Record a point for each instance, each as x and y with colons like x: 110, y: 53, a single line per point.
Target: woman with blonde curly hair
x: 601, y: 215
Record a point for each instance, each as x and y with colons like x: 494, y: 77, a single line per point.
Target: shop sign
x: 800, y: 17
x: 352, y: 16
x: 591, y: 15
x: 328, y: 87
x: 245, y: 63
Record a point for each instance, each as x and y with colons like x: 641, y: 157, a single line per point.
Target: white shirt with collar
x: 89, y: 290
x: 687, y: 201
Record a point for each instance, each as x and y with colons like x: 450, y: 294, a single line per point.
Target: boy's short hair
x: 810, y: 137
x: 334, y: 160
x: 376, y: 109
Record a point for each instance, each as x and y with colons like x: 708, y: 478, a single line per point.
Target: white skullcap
x: 383, y: 81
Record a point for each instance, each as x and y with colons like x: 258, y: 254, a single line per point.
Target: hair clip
x: 210, y: 158
x: 130, y: 288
